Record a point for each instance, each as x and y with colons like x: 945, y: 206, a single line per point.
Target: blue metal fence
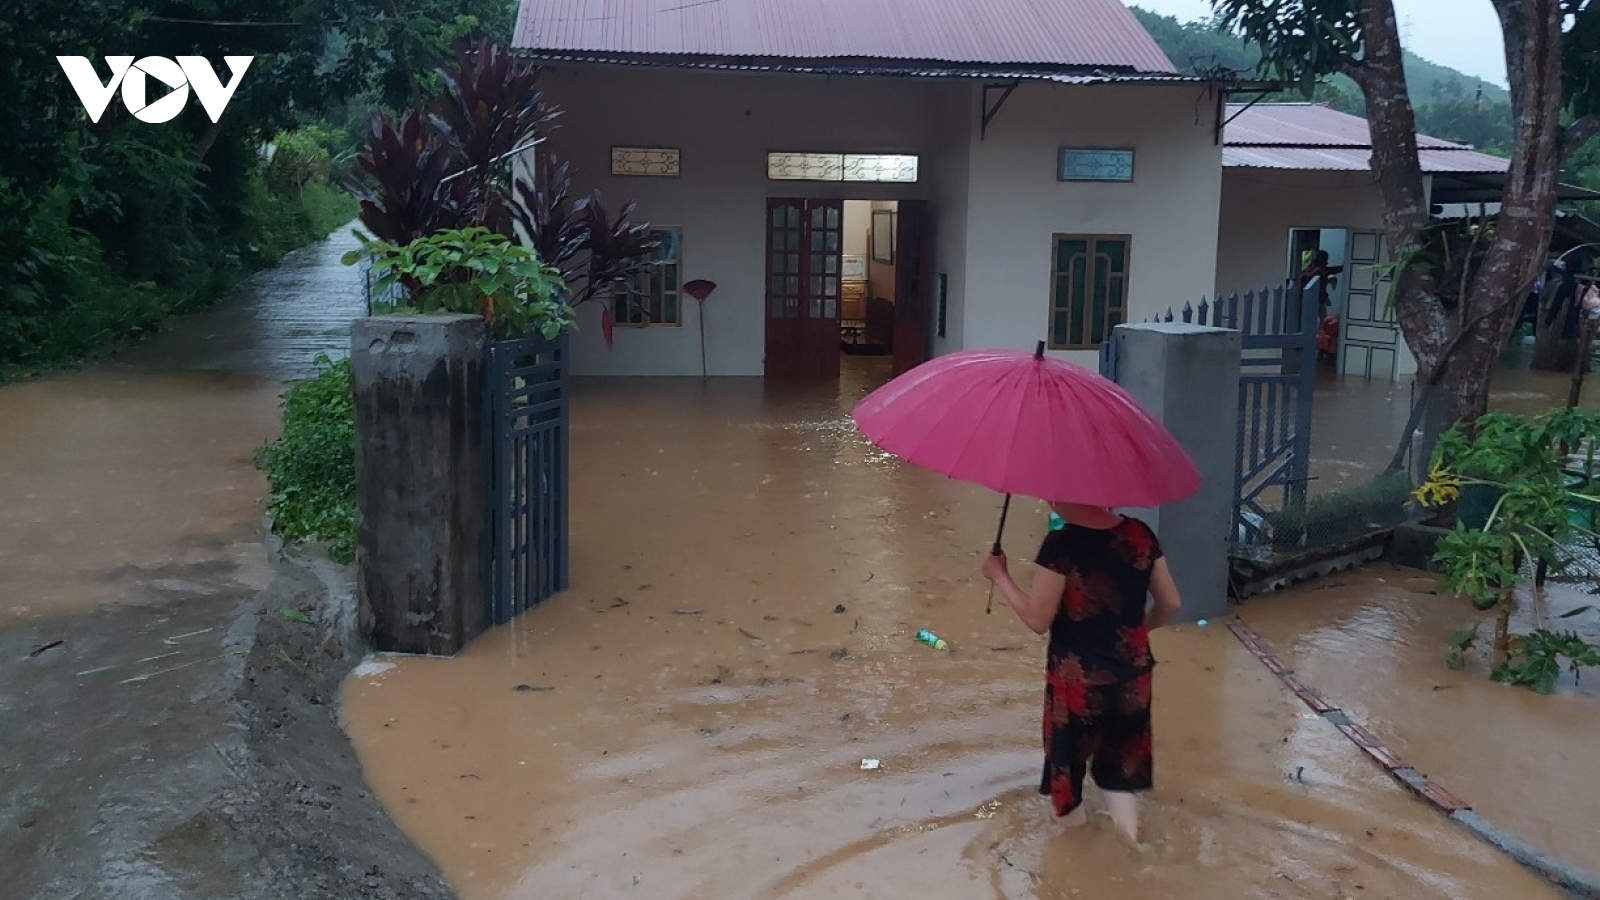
x: 528, y: 385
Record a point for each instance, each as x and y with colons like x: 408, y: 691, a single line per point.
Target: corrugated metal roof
x: 1302, y: 125
x: 1066, y: 35
x: 1312, y: 137
x: 874, y: 68
x: 1434, y: 161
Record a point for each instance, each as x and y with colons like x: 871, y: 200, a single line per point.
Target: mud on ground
x: 186, y: 745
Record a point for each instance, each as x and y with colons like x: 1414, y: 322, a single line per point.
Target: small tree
x: 1523, y: 463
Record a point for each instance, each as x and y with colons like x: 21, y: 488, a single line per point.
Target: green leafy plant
x: 1341, y: 515
x: 1460, y: 642
x: 311, y: 468
x: 473, y: 271
x: 1535, y: 659
x: 1524, y: 463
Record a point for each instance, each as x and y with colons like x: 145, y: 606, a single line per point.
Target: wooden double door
x: 805, y: 261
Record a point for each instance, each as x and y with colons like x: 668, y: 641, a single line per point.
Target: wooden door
x: 913, y: 290
x: 805, y: 255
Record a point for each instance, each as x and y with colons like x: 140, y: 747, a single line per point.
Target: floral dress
x: 1097, y: 685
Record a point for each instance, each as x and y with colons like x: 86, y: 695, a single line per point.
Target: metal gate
x: 528, y: 389
x: 1277, y: 380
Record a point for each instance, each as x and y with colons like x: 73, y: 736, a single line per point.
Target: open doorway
x: 1317, y: 265
x: 846, y: 280
x: 866, y: 316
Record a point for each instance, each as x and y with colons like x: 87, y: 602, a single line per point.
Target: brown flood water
x: 690, y: 720
x: 135, y: 477
x: 1374, y: 642
x: 119, y: 480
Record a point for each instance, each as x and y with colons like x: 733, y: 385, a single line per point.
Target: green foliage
x: 1341, y: 515
x: 106, y: 228
x: 1535, y: 659
x: 1523, y: 461
x: 1449, y: 104
x: 311, y: 468
x: 472, y: 271
x: 1477, y: 564
x: 1460, y: 642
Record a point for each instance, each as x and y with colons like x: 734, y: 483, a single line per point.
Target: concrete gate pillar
x: 421, y: 481
x: 1188, y: 377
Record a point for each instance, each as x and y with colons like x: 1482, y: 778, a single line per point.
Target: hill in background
x: 1450, y: 104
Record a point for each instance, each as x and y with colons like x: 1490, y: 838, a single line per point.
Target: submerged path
x: 133, y: 563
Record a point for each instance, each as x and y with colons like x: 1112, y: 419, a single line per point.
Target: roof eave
x: 877, y: 66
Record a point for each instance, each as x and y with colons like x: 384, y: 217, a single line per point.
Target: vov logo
x: 134, y: 78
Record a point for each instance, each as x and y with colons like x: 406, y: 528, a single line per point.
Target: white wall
x: 950, y: 208
x: 725, y: 124
x: 1016, y: 205
x: 1261, y: 206
x: 857, y: 222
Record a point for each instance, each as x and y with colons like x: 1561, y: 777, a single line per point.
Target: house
x: 1297, y: 178
x: 987, y: 174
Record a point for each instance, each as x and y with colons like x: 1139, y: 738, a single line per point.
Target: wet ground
x: 691, y: 719
x: 137, y: 475
x: 1357, y: 424
x: 1374, y: 641
x: 164, y: 731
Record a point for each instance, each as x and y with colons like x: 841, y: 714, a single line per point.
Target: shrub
x: 472, y: 271
x: 311, y: 468
x: 1341, y: 515
x: 1539, y: 513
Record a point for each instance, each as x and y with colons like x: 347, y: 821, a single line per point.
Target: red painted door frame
x: 805, y: 257
x: 913, y: 290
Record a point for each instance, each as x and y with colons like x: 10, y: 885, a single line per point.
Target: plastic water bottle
x: 932, y: 640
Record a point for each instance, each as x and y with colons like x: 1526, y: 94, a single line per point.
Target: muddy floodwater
x: 135, y: 476
x: 691, y: 719
x: 1374, y: 641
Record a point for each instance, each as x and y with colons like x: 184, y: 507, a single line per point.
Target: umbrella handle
x: 995, y: 550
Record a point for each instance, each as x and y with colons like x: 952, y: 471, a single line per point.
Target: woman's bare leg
x: 1124, y: 810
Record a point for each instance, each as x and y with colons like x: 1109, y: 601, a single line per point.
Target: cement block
x: 421, y: 480
x: 1188, y: 377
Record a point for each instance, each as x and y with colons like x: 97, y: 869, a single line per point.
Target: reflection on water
x: 1357, y: 423
x: 689, y: 720
x: 274, y: 326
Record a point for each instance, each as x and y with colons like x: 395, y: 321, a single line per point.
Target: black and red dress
x: 1097, y: 685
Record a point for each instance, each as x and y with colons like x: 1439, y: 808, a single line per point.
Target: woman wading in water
x: 1092, y: 589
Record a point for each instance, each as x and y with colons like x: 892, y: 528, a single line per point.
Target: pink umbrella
x: 1023, y: 424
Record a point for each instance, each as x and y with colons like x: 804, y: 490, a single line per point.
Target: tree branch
x: 1574, y: 136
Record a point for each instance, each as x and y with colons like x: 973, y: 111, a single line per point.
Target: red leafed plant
x: 451, y: 169
x: 595, y: 251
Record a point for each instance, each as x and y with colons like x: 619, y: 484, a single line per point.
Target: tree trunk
x: 1456, y: 340
x: 1502, y: 627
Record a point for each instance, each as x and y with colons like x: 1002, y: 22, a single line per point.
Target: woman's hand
x: 995, y: 566
x: 1037, y: 606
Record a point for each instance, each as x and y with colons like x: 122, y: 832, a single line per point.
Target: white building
x: 1000, y: 173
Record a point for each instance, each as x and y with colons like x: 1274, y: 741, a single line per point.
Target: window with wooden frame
x: 654, y: 296
x: 1088, y: 289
